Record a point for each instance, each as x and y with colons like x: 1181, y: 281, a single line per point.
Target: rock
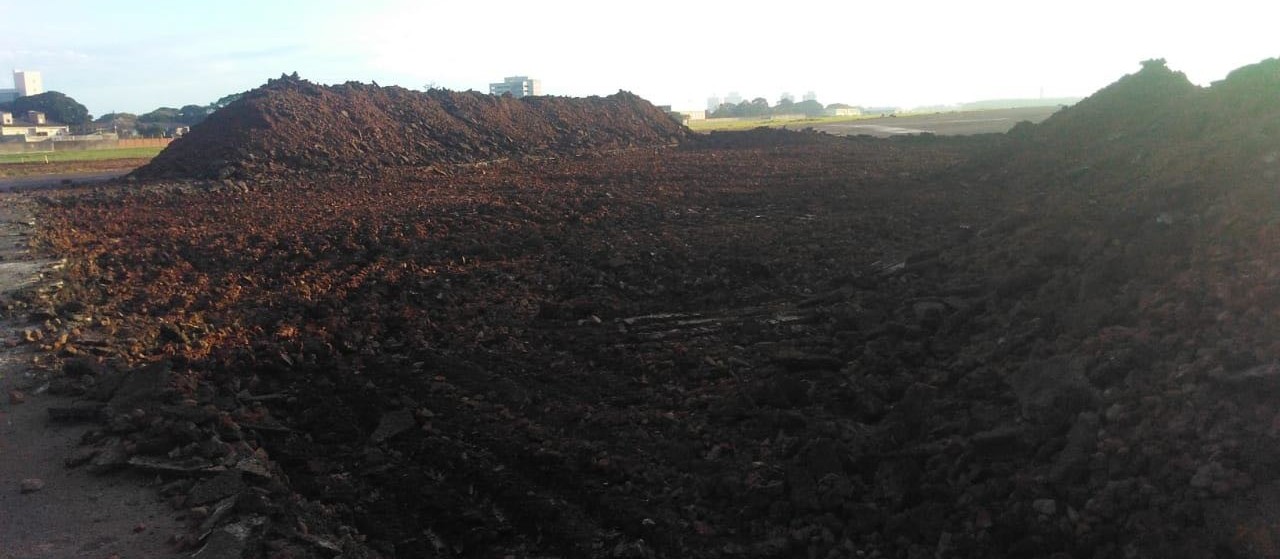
x: 795, y: 360
x: 172, y: 334
x: 802, y: 488
x: 142, y: 388
x: 1047, y: 507
x: 392, y: 424
x: 222, y: 544
x: 31, y: 485
x: 913, y: 410
x: 1261, y: 377
x: 998, y: 441
x: 928, y: 310
x: 110, y: 458
x: 80, y: 367
x: 1207, y: 474
x: 217, y: 488
x: 77, y: 414
x: 1073, y: 461
x: 1052, y: 392
x: 80, y: 456
x: 833, y: 491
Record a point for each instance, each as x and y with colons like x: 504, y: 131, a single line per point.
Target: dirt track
x: 10, y: 184
x: 943, y: 124
x: 75, y: 514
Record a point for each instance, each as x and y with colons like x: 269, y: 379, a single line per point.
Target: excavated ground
x: 1058, y: 342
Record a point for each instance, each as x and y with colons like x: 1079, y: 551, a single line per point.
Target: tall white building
x: 27, y: 82
x: 517, y: 86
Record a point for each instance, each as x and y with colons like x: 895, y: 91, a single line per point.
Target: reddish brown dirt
x: 765, y: 345
x: 292, y: 124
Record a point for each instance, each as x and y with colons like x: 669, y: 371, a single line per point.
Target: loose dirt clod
x: 31, y: 485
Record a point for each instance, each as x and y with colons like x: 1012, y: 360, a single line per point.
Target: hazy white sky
x: 135, y: 55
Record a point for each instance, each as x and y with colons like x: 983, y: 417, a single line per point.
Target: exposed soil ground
x: 1058, y: 342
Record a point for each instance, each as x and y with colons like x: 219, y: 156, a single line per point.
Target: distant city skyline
x: 136, y: 55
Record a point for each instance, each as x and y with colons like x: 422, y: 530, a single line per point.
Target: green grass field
x: 749, y: 123
x: 85, y: 155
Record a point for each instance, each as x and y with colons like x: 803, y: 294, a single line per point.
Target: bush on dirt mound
x: 293, y: 124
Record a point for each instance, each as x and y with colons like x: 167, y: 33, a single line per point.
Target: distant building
x: 842, y: 111
x: 810, y: 96
x: 733, y: 98
x: 787, y: 97
x: 713, y: 103
x: 34, y: 127
x: 686, y: 116
x: 517, y: 86
x: 25, y: 83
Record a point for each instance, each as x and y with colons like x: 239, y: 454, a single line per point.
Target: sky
x: 136, y: 55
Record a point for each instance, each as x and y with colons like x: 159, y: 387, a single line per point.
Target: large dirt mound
x: 1135, y: 291
x: 293, y: 124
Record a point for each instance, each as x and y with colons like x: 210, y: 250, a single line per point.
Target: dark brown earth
x: 293, y: 124
x: 1058, y: 342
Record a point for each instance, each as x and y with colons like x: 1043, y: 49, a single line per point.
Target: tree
x: 152, y: 131
x: 162, y: 114
x: 192, y: 114
x: 224, y: 101
x: 56, y: 106
x: 810, y: 108
x: 114, y: 117
x: 755, y: 107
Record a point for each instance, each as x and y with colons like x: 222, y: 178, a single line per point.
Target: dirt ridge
x: 291, y: 124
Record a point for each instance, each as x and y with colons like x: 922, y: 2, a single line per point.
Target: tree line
x: 759, y: 108
x: 63, y: 109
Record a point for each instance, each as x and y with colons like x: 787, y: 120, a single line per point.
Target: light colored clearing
x: 884, y: 129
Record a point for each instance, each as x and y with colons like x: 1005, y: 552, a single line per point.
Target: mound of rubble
x: 293, y: 124
x: 1134, y: 282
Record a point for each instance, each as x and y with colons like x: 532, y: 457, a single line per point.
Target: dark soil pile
x: 293, y: 124
x: 1134, y: 287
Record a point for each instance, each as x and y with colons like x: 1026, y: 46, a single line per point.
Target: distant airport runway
x: 995, y: 121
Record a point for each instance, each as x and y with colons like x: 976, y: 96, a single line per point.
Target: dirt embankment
x: 293, y: 124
